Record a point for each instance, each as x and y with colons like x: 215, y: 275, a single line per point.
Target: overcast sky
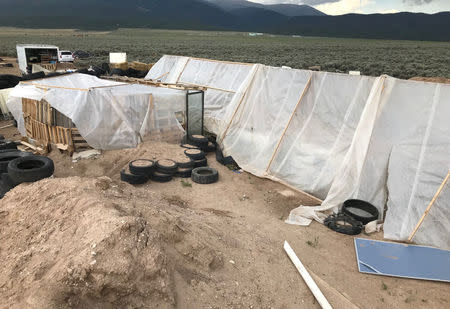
x: 336, y: 7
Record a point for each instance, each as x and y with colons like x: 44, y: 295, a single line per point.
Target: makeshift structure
x: 336, y: 136
x: 77, y: 110
x: 29, y: 54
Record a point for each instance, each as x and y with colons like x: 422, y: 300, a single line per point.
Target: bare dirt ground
x: 84, y: 239
x: 442, y: 80
x: 9, y: 70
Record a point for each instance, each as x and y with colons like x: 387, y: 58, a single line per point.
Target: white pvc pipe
x: 307, y: 277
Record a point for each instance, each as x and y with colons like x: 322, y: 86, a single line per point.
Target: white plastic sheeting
x: 321, y: 132
x: 379, y: 139
x: 4, y: 95
x: 168, y: 69
x: 109, y: 115
x: 259, y: 123
x: 223, y: 79
x: 336, y: 136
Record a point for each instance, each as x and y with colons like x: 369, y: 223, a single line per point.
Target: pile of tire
x: 18, y: 167
x: 10, y: 81
x: 354, y: 215
x: 130, y: 72
x: 194, y: 166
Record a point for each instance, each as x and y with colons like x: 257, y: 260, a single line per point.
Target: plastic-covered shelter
x: 107, y: 114
x: 335, y: 136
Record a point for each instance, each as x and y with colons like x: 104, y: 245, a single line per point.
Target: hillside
x: 236, y: 15
x: 284, y: 9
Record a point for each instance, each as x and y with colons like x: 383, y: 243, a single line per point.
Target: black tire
x: 201, y: 163
x: 83, y: 71
x: 33, y: 76
x: 53, y: 74
x: 161, y: 177
x: 225, y: 160
x: 4, y: 188
x: 211, y: 147
x: 8, y: 156
x: 204, y: 175
x: 184, y: 172
x: 130, y: 72
x: 118, y: 72
x: 7, y: 181
x: 188, y: 146
x: 105, y: 67
x: 166, y: 166
x: 132, y: 179
x: 8, y: 81
x: 142, y: 167
x: 372, y: 212
x: 198, y: 140
x: 1, y: 137
x: 5, y: 144
x: 99, y: 71
x: 343, y: 224
x: 30, y: 168
x: 194, y: 154
x: 185, y: 164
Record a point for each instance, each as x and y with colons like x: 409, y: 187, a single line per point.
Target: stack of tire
x: 354, y: 215
x: 194, y: 166
x: 201, y: 142
x: 18, y: 167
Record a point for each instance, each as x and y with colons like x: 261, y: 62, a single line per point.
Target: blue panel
x: 402, y: 260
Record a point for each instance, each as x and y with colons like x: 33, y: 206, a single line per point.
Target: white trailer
x: 27, y: 54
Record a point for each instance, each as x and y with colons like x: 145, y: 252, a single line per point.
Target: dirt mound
x: 65, y: 244
x: 93, y: 243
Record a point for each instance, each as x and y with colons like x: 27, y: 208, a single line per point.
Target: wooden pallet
x: 40, y: 125
x: 38, y: 110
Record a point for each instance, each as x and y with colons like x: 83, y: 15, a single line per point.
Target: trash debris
x: 400, y: 260
x: 85, y: 154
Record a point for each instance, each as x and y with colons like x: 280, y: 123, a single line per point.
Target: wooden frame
x: 41, y: 125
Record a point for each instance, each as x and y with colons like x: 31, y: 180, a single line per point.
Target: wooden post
x: 289, y: 122
x: 429, y: 207
x: 239, y: 105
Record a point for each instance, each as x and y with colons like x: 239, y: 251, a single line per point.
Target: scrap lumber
x: 7, y: 126
x: 133, y: 80
x: 323, y: 302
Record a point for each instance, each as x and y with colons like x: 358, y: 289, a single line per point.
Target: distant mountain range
x: 235, y: 15
x: 283, y: 9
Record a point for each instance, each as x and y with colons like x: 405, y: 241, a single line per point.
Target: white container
x: 30, y: 53
x: 117, y: 57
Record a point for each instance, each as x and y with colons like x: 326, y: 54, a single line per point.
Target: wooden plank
x: 32, y: 146
x: 289, y: 122
x: 427, y: 210
x: 56, y: 87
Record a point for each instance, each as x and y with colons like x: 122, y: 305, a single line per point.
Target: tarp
x: 225, y: 82
x: 336, y: 136
x: 108, y: 114
x: 4, y: 95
